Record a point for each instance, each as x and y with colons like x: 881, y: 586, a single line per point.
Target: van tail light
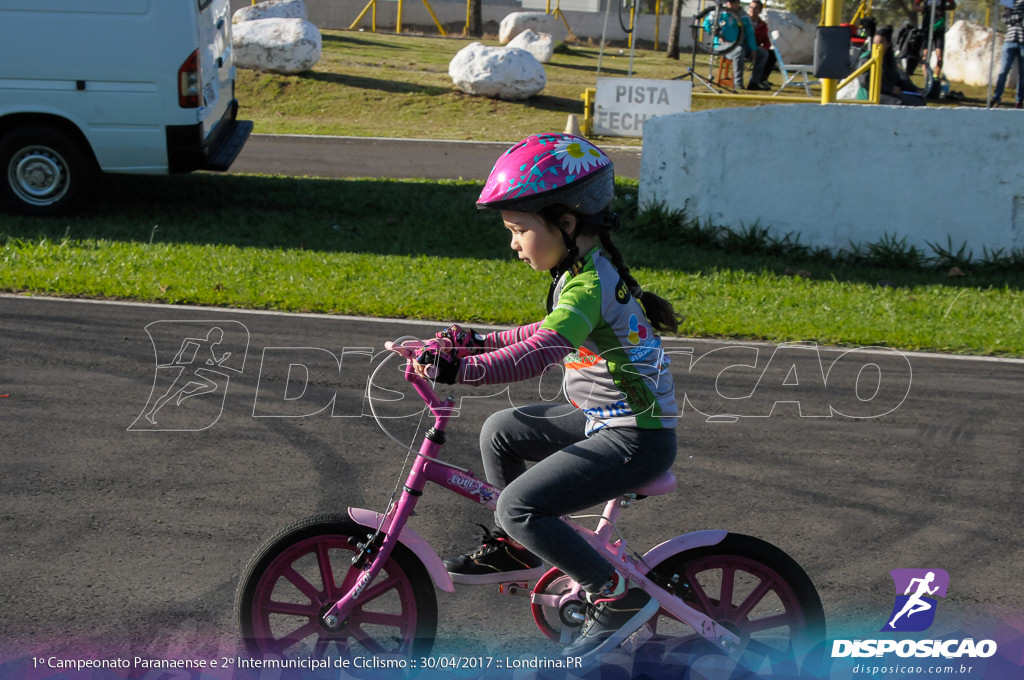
x: 189, y: 87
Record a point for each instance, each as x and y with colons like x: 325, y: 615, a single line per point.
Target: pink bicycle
x: 362, y: 584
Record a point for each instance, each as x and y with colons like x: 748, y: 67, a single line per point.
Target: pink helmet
x: 550, y: 169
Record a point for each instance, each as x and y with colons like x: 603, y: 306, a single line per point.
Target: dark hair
x: 659, y: 311
x: 885, y: 32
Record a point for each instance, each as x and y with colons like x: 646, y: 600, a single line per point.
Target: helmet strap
x: 572, y: 250
x: 572, y: 255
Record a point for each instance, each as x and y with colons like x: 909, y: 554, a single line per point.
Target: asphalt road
x: 128, y: 538
x: 318, y: 156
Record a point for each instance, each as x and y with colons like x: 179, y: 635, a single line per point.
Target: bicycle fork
x: 391, y: 530
x: 373, y: 553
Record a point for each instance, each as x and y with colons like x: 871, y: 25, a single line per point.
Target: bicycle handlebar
x: 410, y: 349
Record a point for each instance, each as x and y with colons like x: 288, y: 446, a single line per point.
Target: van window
x: 203, y: 4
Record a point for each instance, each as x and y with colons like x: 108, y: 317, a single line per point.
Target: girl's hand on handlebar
x: 464, y: 341
x: 437, y: 360
x: 432, y: 359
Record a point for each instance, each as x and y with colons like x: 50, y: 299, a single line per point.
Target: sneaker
x: 611, y: 622
x: 1019, y: 105
x: 994, y: 104
x: 497, y: 560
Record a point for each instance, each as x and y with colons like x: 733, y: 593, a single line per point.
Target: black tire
x: 45, y: 170
x: 770, y: 603
x: 711, y: 41
x: 282, y: 594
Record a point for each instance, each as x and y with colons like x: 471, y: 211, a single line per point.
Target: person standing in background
x: 763, y: 39
x: 1013, y: 51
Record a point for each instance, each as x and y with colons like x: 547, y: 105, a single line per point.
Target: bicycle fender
x: 414, y: 542
x: 694, y: 539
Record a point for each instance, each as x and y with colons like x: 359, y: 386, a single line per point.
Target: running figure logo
x: 194, y: 364
x: 914, y: 609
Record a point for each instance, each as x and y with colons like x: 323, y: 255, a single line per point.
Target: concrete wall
x: 842, y: 173
x: 339, y: 14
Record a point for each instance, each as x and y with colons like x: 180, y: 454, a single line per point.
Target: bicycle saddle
x: 665, y: 483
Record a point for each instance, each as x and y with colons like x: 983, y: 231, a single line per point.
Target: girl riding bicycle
x: 618, y: 430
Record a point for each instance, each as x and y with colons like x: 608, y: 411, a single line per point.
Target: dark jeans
x: 1012, y: 51
x: 571, y: 472
x: 739, y: 56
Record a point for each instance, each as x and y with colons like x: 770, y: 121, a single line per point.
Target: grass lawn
x: 421, y: 250
x: 386, y: 85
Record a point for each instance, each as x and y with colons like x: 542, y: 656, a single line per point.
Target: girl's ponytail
x: 660, y: 312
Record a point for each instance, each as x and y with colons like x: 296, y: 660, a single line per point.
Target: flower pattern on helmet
x: 541, y: 164
x: 578, y: 155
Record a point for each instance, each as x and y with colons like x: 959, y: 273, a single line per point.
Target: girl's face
x: 536, y: 243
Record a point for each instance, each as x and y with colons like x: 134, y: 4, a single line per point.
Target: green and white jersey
x: 619, y: 374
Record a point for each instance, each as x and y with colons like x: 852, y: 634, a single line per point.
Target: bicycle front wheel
x: 301, y: 571
x: 752, y: 588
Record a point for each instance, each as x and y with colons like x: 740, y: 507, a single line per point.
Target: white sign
x: 623, y: 104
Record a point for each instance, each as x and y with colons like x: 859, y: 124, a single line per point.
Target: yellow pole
x: 437, y: 22
x: 398, y: 25
x: 629, y: 38
x: 372, y: 3
x: 832, y: 16
x: 875, y: 92
x: 657, y: 23
x: 588, y: 97
x: 560, y: 14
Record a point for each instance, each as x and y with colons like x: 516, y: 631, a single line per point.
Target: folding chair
x: 790, y: 73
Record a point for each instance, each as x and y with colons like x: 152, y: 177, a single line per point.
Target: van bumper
x: 188, y: 151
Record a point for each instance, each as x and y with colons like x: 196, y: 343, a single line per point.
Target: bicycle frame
x: 428, y: 468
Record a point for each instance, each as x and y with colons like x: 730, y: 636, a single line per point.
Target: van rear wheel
x: 45, y: 170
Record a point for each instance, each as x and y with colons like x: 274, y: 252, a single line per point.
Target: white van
x: 119, y: 86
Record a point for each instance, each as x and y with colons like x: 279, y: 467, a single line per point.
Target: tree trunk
x: 476, y: 19
x: 673, y: 30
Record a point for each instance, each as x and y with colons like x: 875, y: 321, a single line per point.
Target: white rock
x: 276, y: 45
x: 540, y: 45
x: 499, y: 72
x: 515, y: 23
x: 271, y: 9
x: 792, y: 35
x: 968, y: 55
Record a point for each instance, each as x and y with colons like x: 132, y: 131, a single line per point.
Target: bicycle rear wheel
x: 305, y: 568
x: 752, y: 588
x: 710, y: 28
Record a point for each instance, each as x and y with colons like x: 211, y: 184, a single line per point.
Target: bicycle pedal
x: 515, y: 588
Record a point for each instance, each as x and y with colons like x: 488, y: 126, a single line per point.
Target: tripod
x: 717, y: 30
